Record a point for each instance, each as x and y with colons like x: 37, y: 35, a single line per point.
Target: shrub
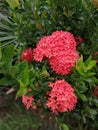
x: 46, y: 45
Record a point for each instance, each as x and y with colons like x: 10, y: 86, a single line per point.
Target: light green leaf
x: 80, y: 61
x: 13, y: 3
x: 21, y: 92
x: 22, y: 89
x: 91, y: 65
x: 88, y: 60
x: 65, y: 127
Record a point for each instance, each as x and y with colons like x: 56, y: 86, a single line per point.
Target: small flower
x: 79, y: 40
x: 27, y: 55
x: 27, y: 101
x: 34, y: 107
x: 96, y: 91
x: 42, y: 116
x: 61, y: 97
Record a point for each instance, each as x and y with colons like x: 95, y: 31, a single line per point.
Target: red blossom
x: 27, y: 101
x: 61, y: 97
x: 27, y: 55
x: 96, y: 91
x: 79, y: 40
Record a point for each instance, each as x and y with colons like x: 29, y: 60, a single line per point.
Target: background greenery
x: 23, y: 23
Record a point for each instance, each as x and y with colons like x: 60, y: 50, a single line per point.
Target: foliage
x: 22, y: 24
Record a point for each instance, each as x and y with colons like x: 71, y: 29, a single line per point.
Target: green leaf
x: 83, y: 88
x: 88, y: 79
x: 3, y: 17
x: 0, y: 54
x: 13, y: 3
x: 7, y: 38
x: 7, y: 58
x: 3, y: 26
x: 6, y: 43
x: 7, y: 81
x: 91, y: 65
x: 88, y: 60
x: 82, y: 97
x: 92, y: 111
x: 80, y: 65
x: 22, y: 89
x: 80, y: 61
x: 95, y: 101
x: 24, y: 72
x: 21, y: 92
x: 65, y: 127
x: 35, y: 88
x: 25, y: 77
x: 8, y: 54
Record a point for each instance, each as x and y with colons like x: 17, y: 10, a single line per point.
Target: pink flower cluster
x: 27, y: 55
x: 60, y: 50
x: 27, y: 101
x: 61, y: 97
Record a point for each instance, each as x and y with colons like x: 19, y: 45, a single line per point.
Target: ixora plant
x: 60, y: 51
x: 54, y: 77
x: 59, y: 73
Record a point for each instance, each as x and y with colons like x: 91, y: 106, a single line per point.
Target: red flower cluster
x: 60, y: 50
x: 27, y: 55
x: 61, y: 97
x: 96, y: 91
x: 79, y: 40
x: 27, y: 101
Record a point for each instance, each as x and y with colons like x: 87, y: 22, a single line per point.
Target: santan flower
x: 61, y: 97
x: 27, y: 55
x: 60, y: 50
x: 27, y: 101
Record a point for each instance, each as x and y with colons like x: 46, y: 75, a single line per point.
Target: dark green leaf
x: 7, y: 38
x: 7, y: 81
x: 3, y: 17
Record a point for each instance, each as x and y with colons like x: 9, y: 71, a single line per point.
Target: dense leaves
x: 23, y: 24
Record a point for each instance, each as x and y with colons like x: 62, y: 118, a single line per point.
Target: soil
x: 7, y: 103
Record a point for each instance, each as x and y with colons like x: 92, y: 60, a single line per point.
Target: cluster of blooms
x: 60, y: 50
x: 79, y: 40
x: 27, y: 101
x: 27, y: 55
x: 61, y: 97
